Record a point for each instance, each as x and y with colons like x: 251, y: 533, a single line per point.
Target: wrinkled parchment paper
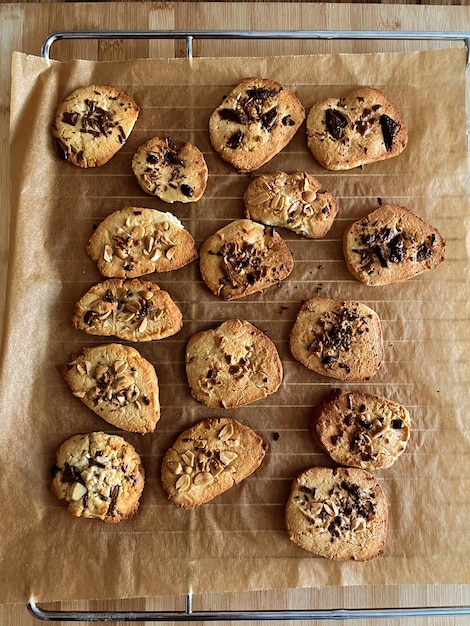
x: 238, y: 541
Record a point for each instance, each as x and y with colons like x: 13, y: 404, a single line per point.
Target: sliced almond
x: 183, y: 483
x: 108, y: 254
x: 203, y: 479
x: 226, y: 432
x: 227, y: 457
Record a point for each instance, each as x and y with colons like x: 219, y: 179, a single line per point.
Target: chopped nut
x: 183, y: 483
x: 227, y: 457
x: 119, y: 366
x: 226, y: 432
x: 203, y: 479
x: 175, y: 467
x: 78, y: 491
x: 108, y: 254
x: 188, y: 457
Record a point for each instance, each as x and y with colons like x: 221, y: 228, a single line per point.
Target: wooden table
x: 24, y: 27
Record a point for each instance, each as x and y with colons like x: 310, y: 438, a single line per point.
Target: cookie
x: 255, y: 122
x: 134, y: 242
x: 361, y: 127
x: 174, y: 172
x: 390, y: 245
x: 232, y: 365
x: 361, y: 429
x: 118, y: 384
x: 296, y: 201
x: 336, y: 338
x: 100, y: 476
x: 208, y: 459
x: 243, y: 258
x: 339, y: 514
x: 92, y: 124
x: 132, y: 310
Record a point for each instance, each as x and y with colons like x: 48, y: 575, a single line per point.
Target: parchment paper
x: 238, y: 541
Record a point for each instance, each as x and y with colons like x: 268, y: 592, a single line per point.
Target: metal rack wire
x: 188, y: 614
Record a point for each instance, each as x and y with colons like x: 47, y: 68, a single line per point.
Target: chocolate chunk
x: 423, y: 252
x: 187, y: 190
x: 235, y: 140
x: 233, y: 115
x: 287, y: 121
x: 268, y: 119
x: 389, y: 130
x: 70, y: 117
x: 335, y: 122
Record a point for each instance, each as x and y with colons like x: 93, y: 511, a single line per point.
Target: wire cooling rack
x: 187, y: 613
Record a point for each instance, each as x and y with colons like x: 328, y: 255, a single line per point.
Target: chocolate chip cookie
x: 338, y: 513
x: 118, y: 384
x: 100, y: 476
x: 174, y: 172
x: 340, y: 339
x: 390, y: 245
x: 361, y: 127
x: 208, y: 459
x: 255, y: 122
x: 361, y: 429
x: 296, y: 201
x: 132, y: 310
x: 243, y: 258
x: 232, y: 365
x: 92, y: 124
x: 135, y: 241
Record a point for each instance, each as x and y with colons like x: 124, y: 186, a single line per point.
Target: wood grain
x: 24, y: 27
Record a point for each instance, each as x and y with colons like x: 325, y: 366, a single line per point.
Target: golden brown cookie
x: 133, y: 310
x: 118, y: 384
x: 232, y: 365
x: 243, y: 258
x: 100, y: 476
x: 295, y: 201
x: 361, y: 429
x: 208, y: 459
x: 390, y: 245
x: 338, y: 513
x: 174, y: 172
x: 136, y: 241
x: 92, y: 124
x: 255, y: 122
x: 361, y: 127
x: 336, y: 338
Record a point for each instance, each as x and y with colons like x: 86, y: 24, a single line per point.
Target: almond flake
x: 203, y: 479
x: 108, y: 254
x: 183, y: 483
x: 226, y: 432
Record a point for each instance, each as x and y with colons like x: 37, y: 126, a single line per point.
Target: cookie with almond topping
x: 243, y: 258
x: 295, y: 201
x: 132, y: 310
x: 337, y: 338
x: 232, y: 365
x: 92, y: 124
x: 257, y: 119
x: 361, y: 429
x: 172, y: 171
x: 134, y: 241
x: 361, y: 127
x: 208, y: 459
x: 118, y: 384
x: 100, y: 476
x: 390, y: 245
x: 339, y: 513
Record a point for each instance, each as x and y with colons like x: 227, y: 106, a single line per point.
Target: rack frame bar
x: 235, y: 616
x: 190, y: 35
